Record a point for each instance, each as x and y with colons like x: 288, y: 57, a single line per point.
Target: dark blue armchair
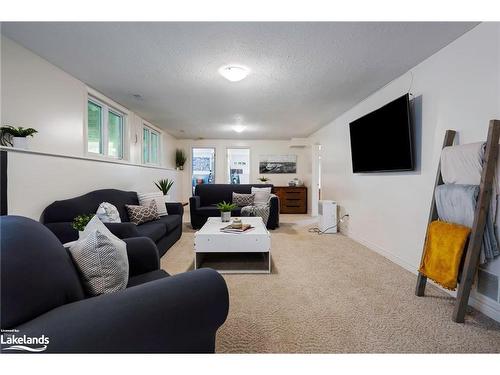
x: 41, y: 294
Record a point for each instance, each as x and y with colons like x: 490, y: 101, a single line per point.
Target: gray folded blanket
x: 456, y: 204
x: 257, y: 210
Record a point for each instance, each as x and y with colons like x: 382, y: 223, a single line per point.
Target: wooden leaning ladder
x: 476, y: 235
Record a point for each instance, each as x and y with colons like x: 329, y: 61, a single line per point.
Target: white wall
x: 36, y: 180
x: 457, y: 88
x: 37, y: 94
x: 257, y: 148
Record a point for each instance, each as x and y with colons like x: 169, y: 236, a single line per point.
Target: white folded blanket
x: 463, y: 165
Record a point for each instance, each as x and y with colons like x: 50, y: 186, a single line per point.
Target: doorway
x: 202, y: 166
x: 238, y: 166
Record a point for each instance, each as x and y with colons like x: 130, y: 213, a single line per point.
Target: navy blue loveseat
x: 41, y: 294
x: 203, y: 204
x: 59, y: 215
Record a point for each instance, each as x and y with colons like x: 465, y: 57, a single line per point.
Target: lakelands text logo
x: 11, y: 340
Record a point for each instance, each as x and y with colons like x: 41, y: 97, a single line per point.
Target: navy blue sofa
x: 59, y: 215
x: 202, y: 204
x: 41, y: 294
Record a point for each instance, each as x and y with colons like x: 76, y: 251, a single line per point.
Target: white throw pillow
x: 101, y: 259
x: 262, y: 195
x: 108, y: 213
x: 145, y: 198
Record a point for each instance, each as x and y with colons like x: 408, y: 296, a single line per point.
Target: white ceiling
x: 303, y: 75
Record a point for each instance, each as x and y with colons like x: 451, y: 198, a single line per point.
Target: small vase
x: 166, y: 198
x: 225, y: 216
x: 80, y: 233
x: 181, y: 167
x: 20, y: 142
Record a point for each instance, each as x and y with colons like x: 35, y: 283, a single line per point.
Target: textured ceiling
x: 303, y: 75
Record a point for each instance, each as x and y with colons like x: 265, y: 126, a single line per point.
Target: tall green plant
x: 164, y: 185
x: 180, y: 158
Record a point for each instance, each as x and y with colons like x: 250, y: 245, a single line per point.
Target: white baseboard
x: 481, y: 303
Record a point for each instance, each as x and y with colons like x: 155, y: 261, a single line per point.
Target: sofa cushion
x: 171, y: 222
x: 153, y: 229
x: 146, y: 278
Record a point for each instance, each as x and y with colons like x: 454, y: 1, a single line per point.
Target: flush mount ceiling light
x: 234, y: 73
x: 239, y: 128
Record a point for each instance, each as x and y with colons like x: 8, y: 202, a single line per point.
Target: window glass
x: 115, y: 135
x: 145, y: 145
x: 154, y: 148
x: 94, y: 133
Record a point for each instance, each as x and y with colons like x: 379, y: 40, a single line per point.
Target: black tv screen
x: 382, y: 140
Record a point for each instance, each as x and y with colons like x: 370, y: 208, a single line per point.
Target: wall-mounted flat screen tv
x: 382, y: 141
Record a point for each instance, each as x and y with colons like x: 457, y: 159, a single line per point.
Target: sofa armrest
x: 64, y: 231
x: 123, y: 230
x: 142, y: 255
x: 175, y: 208
x: 176, y: 314
x: 194, y: 203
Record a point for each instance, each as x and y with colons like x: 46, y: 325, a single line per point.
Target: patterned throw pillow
x: 144, y: 199
x: 142, y: 214
x: 101, y: 258
x: 242, y: 200
x: 108, y: 213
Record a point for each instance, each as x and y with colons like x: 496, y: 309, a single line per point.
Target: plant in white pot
x: 80, y: 222
x: 164, y: 186
x: 180, y: 159
x: 16, y: 136
x: 225, y: 210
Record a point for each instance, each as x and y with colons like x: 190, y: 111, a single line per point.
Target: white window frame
x: 105, y: 110
x: 151, y: 130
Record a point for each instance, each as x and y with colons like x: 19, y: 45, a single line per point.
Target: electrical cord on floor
x: 316, y: 229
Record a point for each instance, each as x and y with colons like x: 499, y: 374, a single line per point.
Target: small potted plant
x: 225, y: 210
x: 263, y: 179
x: 16, y: 136
x: 80, y: 222
x: 180, y: 159
x: 164, y: 186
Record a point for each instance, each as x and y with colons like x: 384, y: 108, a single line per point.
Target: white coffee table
x: 248, y: 252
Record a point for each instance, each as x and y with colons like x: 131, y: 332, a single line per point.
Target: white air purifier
x: 327, y: 211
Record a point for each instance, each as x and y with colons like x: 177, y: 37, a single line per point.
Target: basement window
x: 105, y: 129
x: 150, y: 146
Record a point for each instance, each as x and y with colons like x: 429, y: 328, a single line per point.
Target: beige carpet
x: 329, y: 294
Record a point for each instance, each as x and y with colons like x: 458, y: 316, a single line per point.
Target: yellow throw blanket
x: 443, y: 251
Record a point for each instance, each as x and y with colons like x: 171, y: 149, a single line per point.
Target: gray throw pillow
x: 102, y: 262
x: 242, y: 200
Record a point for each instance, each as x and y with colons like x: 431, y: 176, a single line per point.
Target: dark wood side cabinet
x: 293, y: 200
